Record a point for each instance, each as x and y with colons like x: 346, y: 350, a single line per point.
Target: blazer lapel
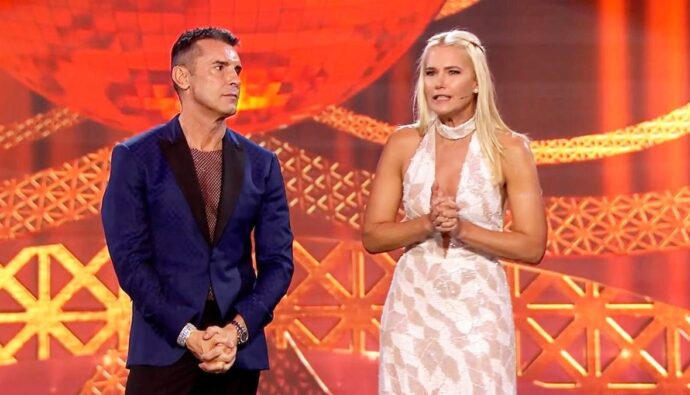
x: 233, y: 177
x: 180, y: 160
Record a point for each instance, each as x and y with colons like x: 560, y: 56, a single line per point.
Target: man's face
x: 214, y: 81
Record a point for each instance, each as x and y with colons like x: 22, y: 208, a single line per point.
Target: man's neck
x: 202, y: 133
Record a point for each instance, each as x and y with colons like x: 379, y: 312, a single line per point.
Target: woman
x: 447, y: 322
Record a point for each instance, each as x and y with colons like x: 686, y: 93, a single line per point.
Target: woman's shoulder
x: 513, y: 140
x: 402, y: 143
x: 516, y: 146
x: 406, y: 134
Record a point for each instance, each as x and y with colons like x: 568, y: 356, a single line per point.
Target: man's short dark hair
x: 185, y: 42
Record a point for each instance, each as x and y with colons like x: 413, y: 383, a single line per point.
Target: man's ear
x: 180, y: 76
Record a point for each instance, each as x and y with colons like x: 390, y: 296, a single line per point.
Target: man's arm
x: 273, y: 241
x: 128, y: 235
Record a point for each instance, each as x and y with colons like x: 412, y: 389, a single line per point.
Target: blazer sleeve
x: 128, y: 235
x: 273, y: 242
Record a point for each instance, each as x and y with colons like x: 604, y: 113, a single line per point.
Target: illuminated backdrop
x: 601, y: 88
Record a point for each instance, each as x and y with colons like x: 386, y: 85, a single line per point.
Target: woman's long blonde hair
x: 487, y: 117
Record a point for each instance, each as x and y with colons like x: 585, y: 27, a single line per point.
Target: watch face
x: 242, y: 335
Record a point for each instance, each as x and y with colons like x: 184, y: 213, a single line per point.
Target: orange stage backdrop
x: 602, y: 88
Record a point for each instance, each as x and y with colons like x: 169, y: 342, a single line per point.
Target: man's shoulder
x: 251, y: 147
x: 146, y: 139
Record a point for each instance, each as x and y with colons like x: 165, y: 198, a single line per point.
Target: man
x: 178, y: 213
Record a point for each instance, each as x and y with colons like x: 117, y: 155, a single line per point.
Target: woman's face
x: 449, y: 81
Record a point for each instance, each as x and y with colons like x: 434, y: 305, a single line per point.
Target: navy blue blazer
x: 157, y: 234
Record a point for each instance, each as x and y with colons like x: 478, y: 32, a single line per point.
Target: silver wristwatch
x: 242, y: 335
x: 184, y: 334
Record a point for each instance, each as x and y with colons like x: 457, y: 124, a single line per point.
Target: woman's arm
x: 381, y: 231
x: 526, y: 241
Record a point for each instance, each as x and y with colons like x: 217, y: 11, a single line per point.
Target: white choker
x: 456, y: 132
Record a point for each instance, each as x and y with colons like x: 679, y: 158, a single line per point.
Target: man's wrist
x: 184, y: 334
x: 242, y: 333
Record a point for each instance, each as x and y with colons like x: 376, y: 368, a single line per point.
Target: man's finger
x: 211, y: 367
x: 227, y: 341
x: 213, y: 353
x: 211, y: 331
x: 220, y: 364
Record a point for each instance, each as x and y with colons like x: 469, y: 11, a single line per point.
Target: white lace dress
x: 447, y: 324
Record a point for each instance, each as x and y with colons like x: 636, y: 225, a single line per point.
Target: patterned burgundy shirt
x: 209, y: 171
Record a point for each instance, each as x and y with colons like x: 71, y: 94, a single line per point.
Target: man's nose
x: 232, y: 77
